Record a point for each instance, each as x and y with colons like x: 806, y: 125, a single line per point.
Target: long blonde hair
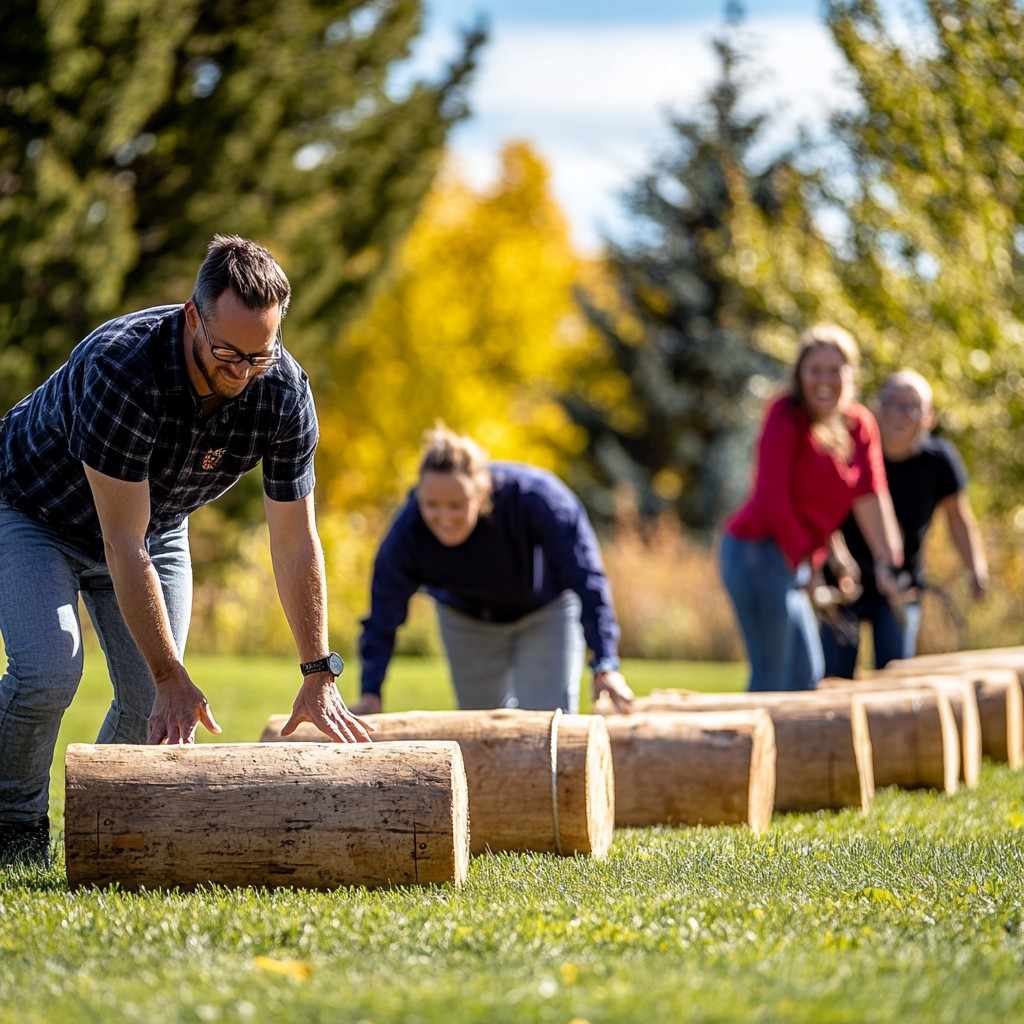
x: 444, y: 451
x: 832, y: 433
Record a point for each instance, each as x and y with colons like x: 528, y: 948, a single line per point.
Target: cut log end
x: 863, y: 754
x: 599, y: 780
x: 761, y: 793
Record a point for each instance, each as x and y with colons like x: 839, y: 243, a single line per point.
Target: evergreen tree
x: 678, y: 327
x: 132, y: 130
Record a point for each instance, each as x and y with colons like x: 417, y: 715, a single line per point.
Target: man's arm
x: 963, y: 528
x: 877, y: 521
x: 299, y: 570
x: 123, y: 509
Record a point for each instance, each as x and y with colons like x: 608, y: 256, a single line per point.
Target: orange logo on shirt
x: 211, y: 460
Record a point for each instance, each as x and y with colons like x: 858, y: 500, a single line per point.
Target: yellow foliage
x: 476, y: 325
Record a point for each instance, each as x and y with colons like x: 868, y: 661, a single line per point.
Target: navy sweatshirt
x: 536, y: 543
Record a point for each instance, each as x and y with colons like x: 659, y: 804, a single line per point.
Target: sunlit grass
x: 913, y: 913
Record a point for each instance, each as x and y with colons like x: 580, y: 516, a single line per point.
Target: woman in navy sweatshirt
x: 511, y: 560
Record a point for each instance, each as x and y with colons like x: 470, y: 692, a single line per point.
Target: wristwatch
x: 333, y: 663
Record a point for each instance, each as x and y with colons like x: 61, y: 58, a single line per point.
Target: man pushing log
x: 155, y: 414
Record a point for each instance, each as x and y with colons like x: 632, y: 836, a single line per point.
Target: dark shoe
x: 25, y: 842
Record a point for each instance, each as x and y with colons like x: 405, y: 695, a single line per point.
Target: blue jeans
x: 895, y: 636
x: 41, y: 577
x: 775, y: 615
x: 534, y: 662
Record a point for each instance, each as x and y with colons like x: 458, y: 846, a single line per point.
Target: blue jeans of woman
x: 894, y: 635
x: 41, y: 577
x: 774, y: 613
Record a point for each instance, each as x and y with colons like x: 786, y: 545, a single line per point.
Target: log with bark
x: 999, y: 693
x: 963, y: 703
x: 538, y: 780
x: 823, y: 748
x: 693, y: 769
x: 310, y: 815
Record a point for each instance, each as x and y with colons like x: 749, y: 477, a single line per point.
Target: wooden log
x: 963, y: 703
x: 508, y: 757
x: 823, y: 748
x: 693, y: 769
x: 1000, y: 696
x: 310, y: 815
x: 914, y: 739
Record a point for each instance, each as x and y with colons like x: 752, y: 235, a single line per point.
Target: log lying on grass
x: 914, y: 738
x: 693, y: 769
x: 963, y: 703
x: 310, y: 815
x: 518, y: 798
x: 823, y: 749
x: 1000, y: 698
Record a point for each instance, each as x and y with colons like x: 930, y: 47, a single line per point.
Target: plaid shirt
x: 123, y: 404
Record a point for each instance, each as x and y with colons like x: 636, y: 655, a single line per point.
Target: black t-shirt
x: 917, y: 485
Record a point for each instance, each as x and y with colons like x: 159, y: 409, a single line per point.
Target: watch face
x: 335, y: 665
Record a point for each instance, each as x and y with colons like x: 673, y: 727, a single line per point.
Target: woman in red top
x: 819, y: 457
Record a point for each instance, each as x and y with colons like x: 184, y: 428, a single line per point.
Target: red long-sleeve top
x: 802, y: 492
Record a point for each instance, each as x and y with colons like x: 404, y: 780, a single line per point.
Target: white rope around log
x: 554, y: 779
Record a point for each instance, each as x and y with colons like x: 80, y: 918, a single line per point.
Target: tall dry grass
x: 666, y: 585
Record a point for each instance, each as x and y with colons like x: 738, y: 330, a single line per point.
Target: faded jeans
x: 894, y: 635
x: 41, y: 576
x: 534, y: 662
x: 775, y: 615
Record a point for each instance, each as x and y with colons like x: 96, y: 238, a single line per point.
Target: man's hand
x: 178, y: 709
x: 368, y: 704
x: 320, y: 702
x: 615, y: 685
x: 979, y: 584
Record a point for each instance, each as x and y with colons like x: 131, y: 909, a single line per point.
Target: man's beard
x: 211, y: 381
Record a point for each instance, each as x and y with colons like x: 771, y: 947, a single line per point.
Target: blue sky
x: 589, y: 83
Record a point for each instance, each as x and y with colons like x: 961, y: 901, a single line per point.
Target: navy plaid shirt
x: 123, y: 404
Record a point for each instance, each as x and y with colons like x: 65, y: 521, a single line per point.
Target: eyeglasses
x: 229, y: 354
x: 912, y: 410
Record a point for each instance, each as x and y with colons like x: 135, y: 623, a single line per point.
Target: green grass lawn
x: 914, y: 913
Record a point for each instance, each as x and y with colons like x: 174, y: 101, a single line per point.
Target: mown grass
x: 914, y: 913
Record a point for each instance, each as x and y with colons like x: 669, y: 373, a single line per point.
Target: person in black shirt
x: 925, y: 473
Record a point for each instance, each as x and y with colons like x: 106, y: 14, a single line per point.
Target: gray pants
x: 533, y: 663
x: 41, y: 576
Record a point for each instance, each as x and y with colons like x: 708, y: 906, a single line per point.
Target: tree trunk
x: 516, y: 800
x: 310, y: 816
x: 823, y: 750
x: 1000, y: 695
x: 962, y: 699
x: 693, y: 769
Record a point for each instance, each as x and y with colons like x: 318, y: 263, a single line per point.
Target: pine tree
x: 678, y: 327
x: 132, y: 130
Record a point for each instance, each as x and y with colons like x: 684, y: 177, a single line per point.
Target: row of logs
x: 437, y: 786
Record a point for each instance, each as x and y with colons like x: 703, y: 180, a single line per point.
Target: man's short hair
x: 907, y: 378
x: 247, y: 269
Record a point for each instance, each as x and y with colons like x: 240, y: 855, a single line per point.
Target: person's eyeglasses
x: 227, y: 354
x: 911, y: 409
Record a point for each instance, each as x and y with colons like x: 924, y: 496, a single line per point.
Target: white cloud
x: 593, y: 98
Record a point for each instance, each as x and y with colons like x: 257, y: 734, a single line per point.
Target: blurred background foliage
x: 131, y: 131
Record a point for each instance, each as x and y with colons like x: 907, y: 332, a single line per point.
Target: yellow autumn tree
x: 475, y: 325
